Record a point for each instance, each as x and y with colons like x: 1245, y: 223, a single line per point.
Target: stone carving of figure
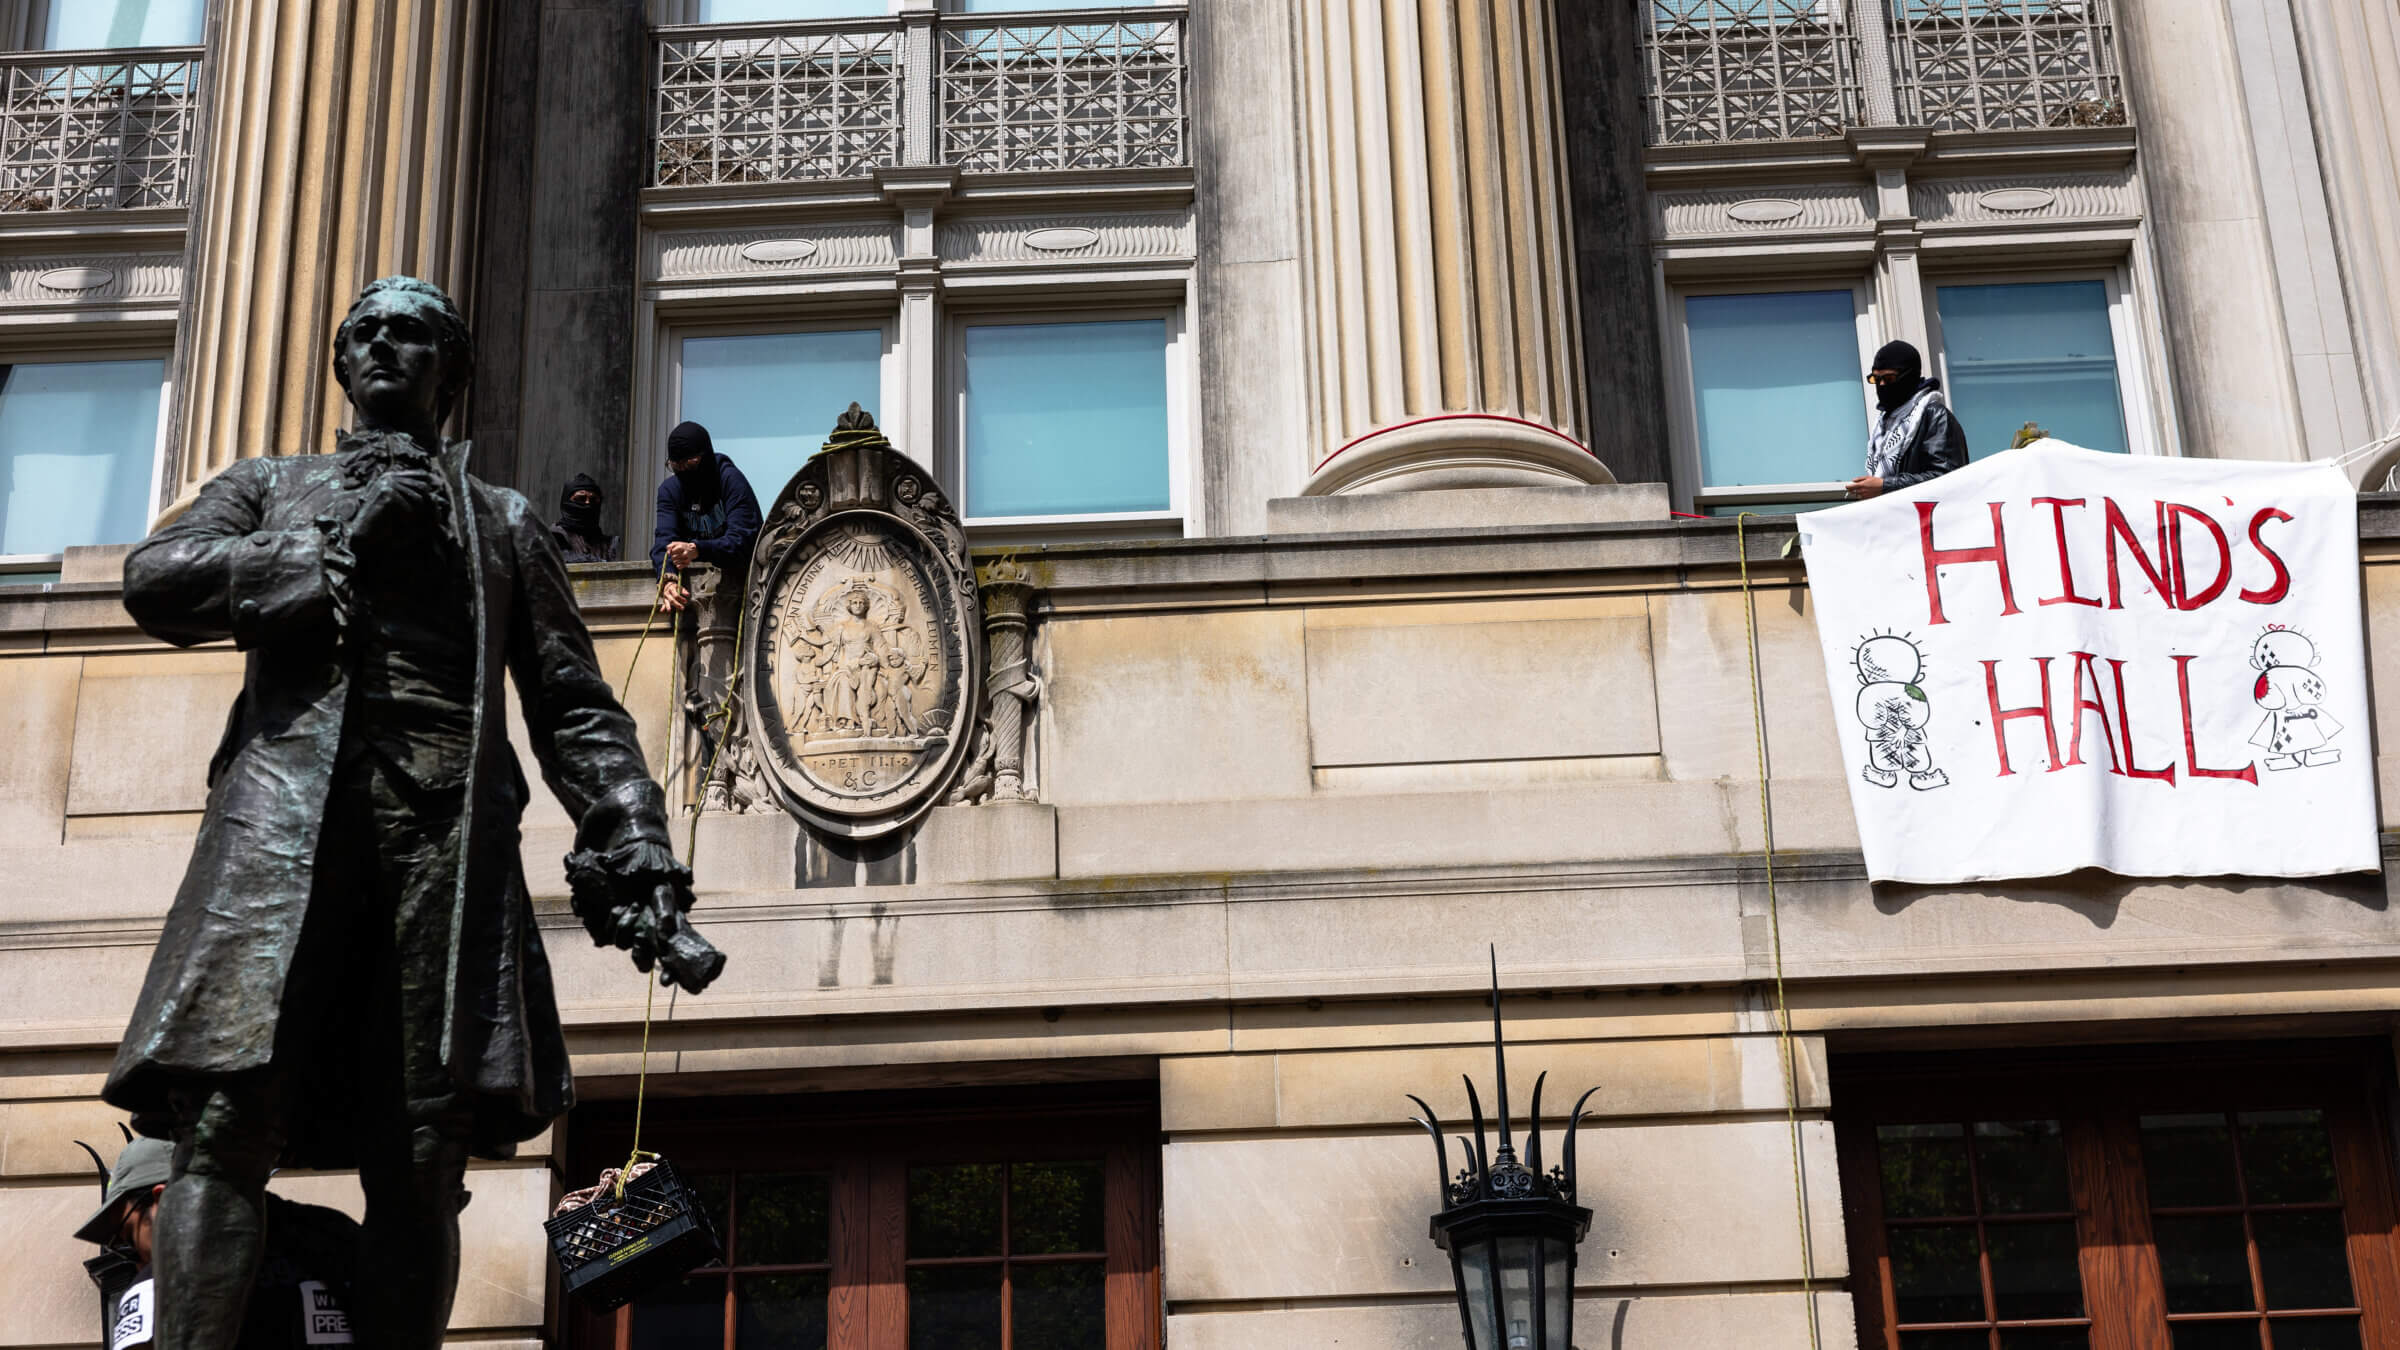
x: 350, y: 974
x: 861, y: 681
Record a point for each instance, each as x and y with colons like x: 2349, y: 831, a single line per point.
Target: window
x: 77, y: 25
x: 78, y: 452
x: 769, y: 400
x: 2041, y: 352
x: 1024, y: 1219
x: 1066, y: 418
x: 2101, y: 1199
x: 772, y: 11
x: 1778, y: 394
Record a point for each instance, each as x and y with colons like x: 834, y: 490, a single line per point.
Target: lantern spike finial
x: 1574, y: 1122
x: 1500, y: 1058
x: 1533, y: 1127
x: 1480, y: 1160
x: 1441, y: 1148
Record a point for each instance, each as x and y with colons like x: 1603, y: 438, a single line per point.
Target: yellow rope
x: 641, y: 1083
x: 723, y: 719
x: 1783, y: 1008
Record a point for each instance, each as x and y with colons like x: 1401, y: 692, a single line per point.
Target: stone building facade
x: 1333, y: 374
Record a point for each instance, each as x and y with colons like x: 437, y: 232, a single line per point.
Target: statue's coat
x: 259, y: 558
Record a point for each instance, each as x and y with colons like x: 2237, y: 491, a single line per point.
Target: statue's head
x: 403, y: 353
x: 856, y: 604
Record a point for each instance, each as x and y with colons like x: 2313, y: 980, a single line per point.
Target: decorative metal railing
x: 758, y: 103
x: 97, y: 129
x: 1748, y: 70
x: 1994, y: 65
x: 755, y: 104
x: 1063, y: 95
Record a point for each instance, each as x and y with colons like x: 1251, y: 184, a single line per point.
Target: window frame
x: 950, y: 419
x: 650, y: 465
x: 143, y: 344
x: 2134, y: 403
x: 2098, y: 1096
x: 1683, y: 411
x: 868, y: 1141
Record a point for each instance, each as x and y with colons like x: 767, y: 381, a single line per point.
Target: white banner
x: 2056, y: 658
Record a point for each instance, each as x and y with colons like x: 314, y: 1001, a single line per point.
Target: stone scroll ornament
x: 862, y: 655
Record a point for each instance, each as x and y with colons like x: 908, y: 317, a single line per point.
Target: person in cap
x: 301, y: 1297
x: 706, y: 511
x: 581, y: 535
x: 1915, y: 439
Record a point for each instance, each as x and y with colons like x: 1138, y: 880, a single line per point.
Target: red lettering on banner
x: 2177, y: 513
x: 2001, y: 717
x: 1938, y: 558
x: 2083, y: 667
x: 2283, y: 574
x: 2248, y: 773
x: 2125, y: 734
x: 2066, y: 568
x: 2160, y: 572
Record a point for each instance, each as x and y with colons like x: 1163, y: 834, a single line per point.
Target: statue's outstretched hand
x: 657, y: 935
x: 637, y: 902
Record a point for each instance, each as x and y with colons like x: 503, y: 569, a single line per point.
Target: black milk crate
x: 613, y: 1250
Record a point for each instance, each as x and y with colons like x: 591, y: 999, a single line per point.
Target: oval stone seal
x: 862, y: 644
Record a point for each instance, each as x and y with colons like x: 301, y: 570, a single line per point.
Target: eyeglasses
x: 1883, y: 376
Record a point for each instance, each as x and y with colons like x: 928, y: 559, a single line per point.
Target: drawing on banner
x: 2297, y: 731
x: 1894, y: 711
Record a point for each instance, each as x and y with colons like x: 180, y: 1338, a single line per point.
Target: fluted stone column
x: 342, y: 147
x: 1442, y: 275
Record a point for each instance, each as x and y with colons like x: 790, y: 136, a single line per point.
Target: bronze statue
x: 350, y: 975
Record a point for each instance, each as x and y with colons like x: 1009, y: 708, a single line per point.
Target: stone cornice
x: 1238, y: 571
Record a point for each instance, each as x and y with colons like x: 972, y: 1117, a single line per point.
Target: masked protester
x: 580, y: 534
x: 301, y: 1297
x: 706, y: 510
x: 1915, y: 439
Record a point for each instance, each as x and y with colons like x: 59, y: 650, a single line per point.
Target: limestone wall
x: 1291, y: 787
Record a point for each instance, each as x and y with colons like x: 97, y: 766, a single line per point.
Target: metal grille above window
x: 814, y: 100
x: 773, y: 103
x: 1749, y: 70
x: 2001, y: 65
x: 97, y: 129
x: 1755, y: 70
x: 1063, y: 95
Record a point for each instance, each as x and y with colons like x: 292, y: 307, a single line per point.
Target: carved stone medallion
x: 863, y: 648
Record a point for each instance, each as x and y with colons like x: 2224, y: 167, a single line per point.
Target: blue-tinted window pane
x: 2039, y: 352
x: 77, y: 443
x: 1066, y: 418
x: 770, y: 401
x: 774, y: 11
x: 79, y: 24
x: 1012, y: 6
x: 1780, y: 391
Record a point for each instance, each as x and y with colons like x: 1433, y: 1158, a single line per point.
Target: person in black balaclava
x: 706, y: 510
x: 580, y: 534
x: 1915, y: 439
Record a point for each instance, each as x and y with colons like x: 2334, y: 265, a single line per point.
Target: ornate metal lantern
x: 1510, y: 1229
